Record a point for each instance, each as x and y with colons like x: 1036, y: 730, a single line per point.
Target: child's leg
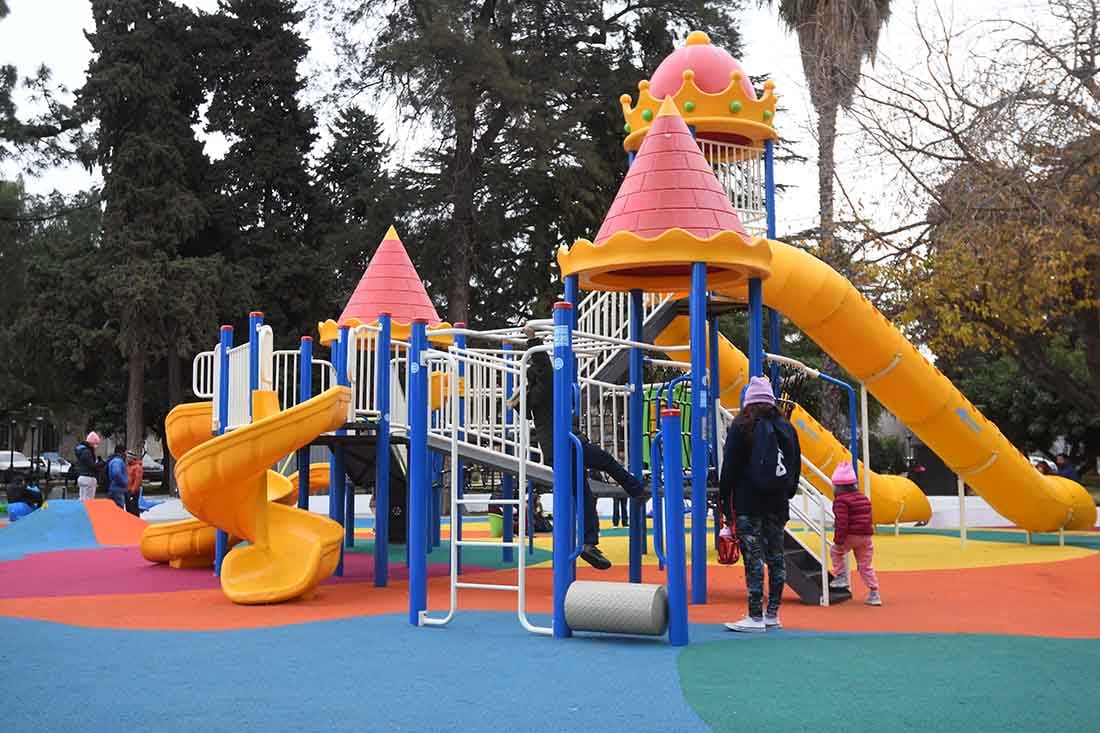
x: 864, y: 550
x: 839, y: 554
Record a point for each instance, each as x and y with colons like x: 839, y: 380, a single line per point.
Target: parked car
x: 58, y: 467
x: 14, y: 461
x: 154, y: 469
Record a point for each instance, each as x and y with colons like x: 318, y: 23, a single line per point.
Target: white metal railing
x: 817, y: 525
x: 286, y: 377
x: 603, y: 417
x: 472, y: 411
x: 740, y: 171
x: 240, y: 394
x: 608, y: 314
x: 204, y: 374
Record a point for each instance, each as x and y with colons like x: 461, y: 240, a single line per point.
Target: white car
x: 14, y: 460
x: 58, y: 466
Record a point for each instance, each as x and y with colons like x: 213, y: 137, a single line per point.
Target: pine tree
x: 144, y: 89
x: 269, y: 206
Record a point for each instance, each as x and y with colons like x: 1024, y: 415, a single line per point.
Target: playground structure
x: 695, y: 220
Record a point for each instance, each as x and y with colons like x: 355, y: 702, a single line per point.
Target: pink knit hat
x: 844, y: 475
x: 92, y: 439
x: 759, y: 391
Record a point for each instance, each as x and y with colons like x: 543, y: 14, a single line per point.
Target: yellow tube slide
x: 225, y: 482
x: 828, y: 309
x: 893, y: 498
x: 190, y: 543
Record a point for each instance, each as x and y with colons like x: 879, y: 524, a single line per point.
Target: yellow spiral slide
x: 226, y: 483
x: 893, y: 498
x: 828, y: 309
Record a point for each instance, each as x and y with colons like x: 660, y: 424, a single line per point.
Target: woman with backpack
x: 760, y: 469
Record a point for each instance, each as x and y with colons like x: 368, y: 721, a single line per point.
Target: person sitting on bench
x: 540, y: 408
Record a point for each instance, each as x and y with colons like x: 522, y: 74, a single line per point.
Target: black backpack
x: 775, y: 462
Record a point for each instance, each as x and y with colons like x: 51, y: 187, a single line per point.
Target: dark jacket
x: 853, y: 514
x: 1068, y: 470
x: 118, y: 480
x: 85, y: 459
x: 734, y: 482
x: 540, y: 402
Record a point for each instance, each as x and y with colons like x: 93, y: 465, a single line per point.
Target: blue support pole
x: 697, y: 305
x: 419, y: 480
x: 507, y: 480
x: 456, y: 522
x: 630, y: 160
x: 564, y: 566
x: 305, y: 392
x: 714, y: 380
x: 338, y: 474
x: 382, y: 454
x: 756, y: 323
x: 225, y: 343
x: 675, y: 554
x: 774, y: 342
x: 636, y: 426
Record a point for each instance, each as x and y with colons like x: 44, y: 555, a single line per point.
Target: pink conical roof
x: 670, y: 185
x: 390, y: 285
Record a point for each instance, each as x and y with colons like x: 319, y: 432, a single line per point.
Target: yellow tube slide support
x: 828, y: 309
x: 226, y: 482
x: 893, y: 498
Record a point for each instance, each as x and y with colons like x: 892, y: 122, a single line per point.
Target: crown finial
x: 698, y: 38
x: 668, y: 108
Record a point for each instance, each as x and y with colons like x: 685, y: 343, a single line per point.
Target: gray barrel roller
x: 617, y: 608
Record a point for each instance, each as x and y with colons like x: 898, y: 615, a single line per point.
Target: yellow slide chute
x: 225, y: 482
x: 828, y: 309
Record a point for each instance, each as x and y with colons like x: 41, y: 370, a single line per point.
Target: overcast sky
x: 51, y: 32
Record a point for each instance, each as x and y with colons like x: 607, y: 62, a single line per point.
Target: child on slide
x: 853, y: 533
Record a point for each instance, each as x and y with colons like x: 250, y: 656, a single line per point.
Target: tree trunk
x: 826, y: 142
x: 175, y: 396
x: 135, y: 400
x: 463, y: 249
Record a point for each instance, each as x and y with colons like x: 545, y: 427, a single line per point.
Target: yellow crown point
x: 735, y: 75
x: 769, y: 84
x: 643, y: 85
x: 697, y: 38
x: 391, y: 233
x: 624, y: 99
x: 688, y: 74
x: 668, y: 108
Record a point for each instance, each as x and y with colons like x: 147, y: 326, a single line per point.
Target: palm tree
x: 834, y: 38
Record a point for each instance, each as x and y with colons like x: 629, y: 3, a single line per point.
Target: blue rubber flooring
x: 483, y: 672
x: 62, y: 525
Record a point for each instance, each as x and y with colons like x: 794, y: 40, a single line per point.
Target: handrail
x: 655, y: 476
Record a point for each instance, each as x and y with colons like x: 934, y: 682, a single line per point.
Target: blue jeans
x: 761, y: 539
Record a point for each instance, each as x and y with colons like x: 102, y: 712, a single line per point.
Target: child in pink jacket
x: 853, y: 533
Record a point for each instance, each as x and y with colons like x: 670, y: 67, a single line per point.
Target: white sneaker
x: 839, y: 582
x: 772, y: 622
x: 748, y: 625
x: 873, y: 599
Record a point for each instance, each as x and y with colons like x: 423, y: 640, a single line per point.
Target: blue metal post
x: 507, y: 480
x: 225, y: 343
x: 774, y: 344
x: 305, y: 392
x: 756, y: 323
x: 382, y: 454
x: 456, y: 522
x: 338, y: 474
x: 675, y: 553
x: 714, y: 380
x: 697, y: 305
x: 853, y: 420
x: 419, y: 480
x: 636, y: 425
x: 630, y: 160
x: 564, y: 567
